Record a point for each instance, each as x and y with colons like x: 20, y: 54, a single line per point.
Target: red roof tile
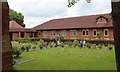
x: 75, y: 22
x: 15, y: 27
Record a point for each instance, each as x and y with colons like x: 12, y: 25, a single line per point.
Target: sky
x: 37, y: 12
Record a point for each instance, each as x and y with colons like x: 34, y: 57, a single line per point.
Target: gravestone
x: 5, y: 46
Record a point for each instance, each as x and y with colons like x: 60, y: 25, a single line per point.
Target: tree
x: 18, y: 17
x: 116, y: 26
x: 99, y: 34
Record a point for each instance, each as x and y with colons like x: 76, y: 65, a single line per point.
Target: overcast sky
x: 39, y: 11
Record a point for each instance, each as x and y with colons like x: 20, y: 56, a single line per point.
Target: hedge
x: 90, y: 41
x: 26, y: 40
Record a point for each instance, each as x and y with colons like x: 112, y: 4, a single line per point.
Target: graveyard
x: 68, y: 58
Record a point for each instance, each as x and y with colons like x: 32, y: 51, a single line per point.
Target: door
x: 22, y: 34
x: 10, y: 36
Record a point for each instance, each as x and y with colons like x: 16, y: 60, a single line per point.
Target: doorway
x: 22, y: 34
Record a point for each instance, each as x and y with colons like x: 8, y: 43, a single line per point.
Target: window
x: 35, y: 34
x: 106, y: 32
x: 94, y: 33
x: 44, y: 33
x: 39, y: 33
x: 73, y: 33
x: 31, y: 35
x: 52, y: 33
x: 63, y: 33
x: 85, y: 32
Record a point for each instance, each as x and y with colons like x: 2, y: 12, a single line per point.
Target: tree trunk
x: 116, y: 29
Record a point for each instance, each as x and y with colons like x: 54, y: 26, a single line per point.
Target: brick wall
x: 15, y: 36
x: 6, y: 46
x: 79, y: 34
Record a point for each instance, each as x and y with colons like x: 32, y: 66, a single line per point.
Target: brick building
x: 17, y: 31
x: 83, y: 27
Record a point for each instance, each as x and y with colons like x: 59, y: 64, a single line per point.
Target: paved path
x: 24, y: 61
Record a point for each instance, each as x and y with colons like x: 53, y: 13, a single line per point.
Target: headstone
x: 68, y: 54
x: 98, y: 57
x: 80, y: 55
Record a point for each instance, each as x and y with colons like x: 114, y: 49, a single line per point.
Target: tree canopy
x: 72, y: 2
x: 18, y: 17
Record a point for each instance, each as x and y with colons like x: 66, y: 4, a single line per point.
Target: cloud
x: 39, y: 11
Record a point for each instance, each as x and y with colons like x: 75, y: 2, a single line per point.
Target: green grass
x: 53, y: 61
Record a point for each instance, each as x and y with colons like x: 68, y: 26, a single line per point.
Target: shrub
x: 79, y: 45
x: 41, y: 43
x: 100, y: 46
x: 51, y: 45
x: 75, y: 43
x: 23, y: 48
x: 34, y: 46
x: 69, y: 43
x: 110, y: 47
x: 27, y: 47
x: 91, y: 41
x: 89, y: 45
x: 24, y: 40
x: 16, y: 51
x: 99, y: 34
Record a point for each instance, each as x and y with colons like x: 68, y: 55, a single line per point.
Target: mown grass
x: 62, y: 61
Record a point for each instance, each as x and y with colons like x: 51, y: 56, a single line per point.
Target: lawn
x: 73, y: 61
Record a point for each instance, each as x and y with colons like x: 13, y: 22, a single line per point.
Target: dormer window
x: 101, y: 19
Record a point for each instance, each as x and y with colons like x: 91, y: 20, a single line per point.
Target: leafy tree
x: 99, y: 34
x: 18, y: 17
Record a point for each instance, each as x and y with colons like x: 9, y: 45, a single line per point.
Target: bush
x: 90, y: 41
x: 69, y: 43
x: 34, y: 46
x: 23, y: 48
x: 24, y: 40
x: 79, y: 45
x: 89, y: 45
x: 41, y: 46
x: 41, y: 43
x: 75, y: 43
x: 100, y: 46
x: 16, y: 51
x: 27, y: 47
x: 110, y: 47
x: 51, y: 45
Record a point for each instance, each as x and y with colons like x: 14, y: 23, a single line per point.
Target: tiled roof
x: 75, y: 22
x: 15, y: 27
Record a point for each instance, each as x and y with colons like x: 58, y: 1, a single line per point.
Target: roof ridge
x: 81, y: 16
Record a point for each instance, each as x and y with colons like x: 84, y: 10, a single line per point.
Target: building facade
x: 17, y: 31
x: 83, y: 27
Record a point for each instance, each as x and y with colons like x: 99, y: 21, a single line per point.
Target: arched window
x: 106, y: 32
